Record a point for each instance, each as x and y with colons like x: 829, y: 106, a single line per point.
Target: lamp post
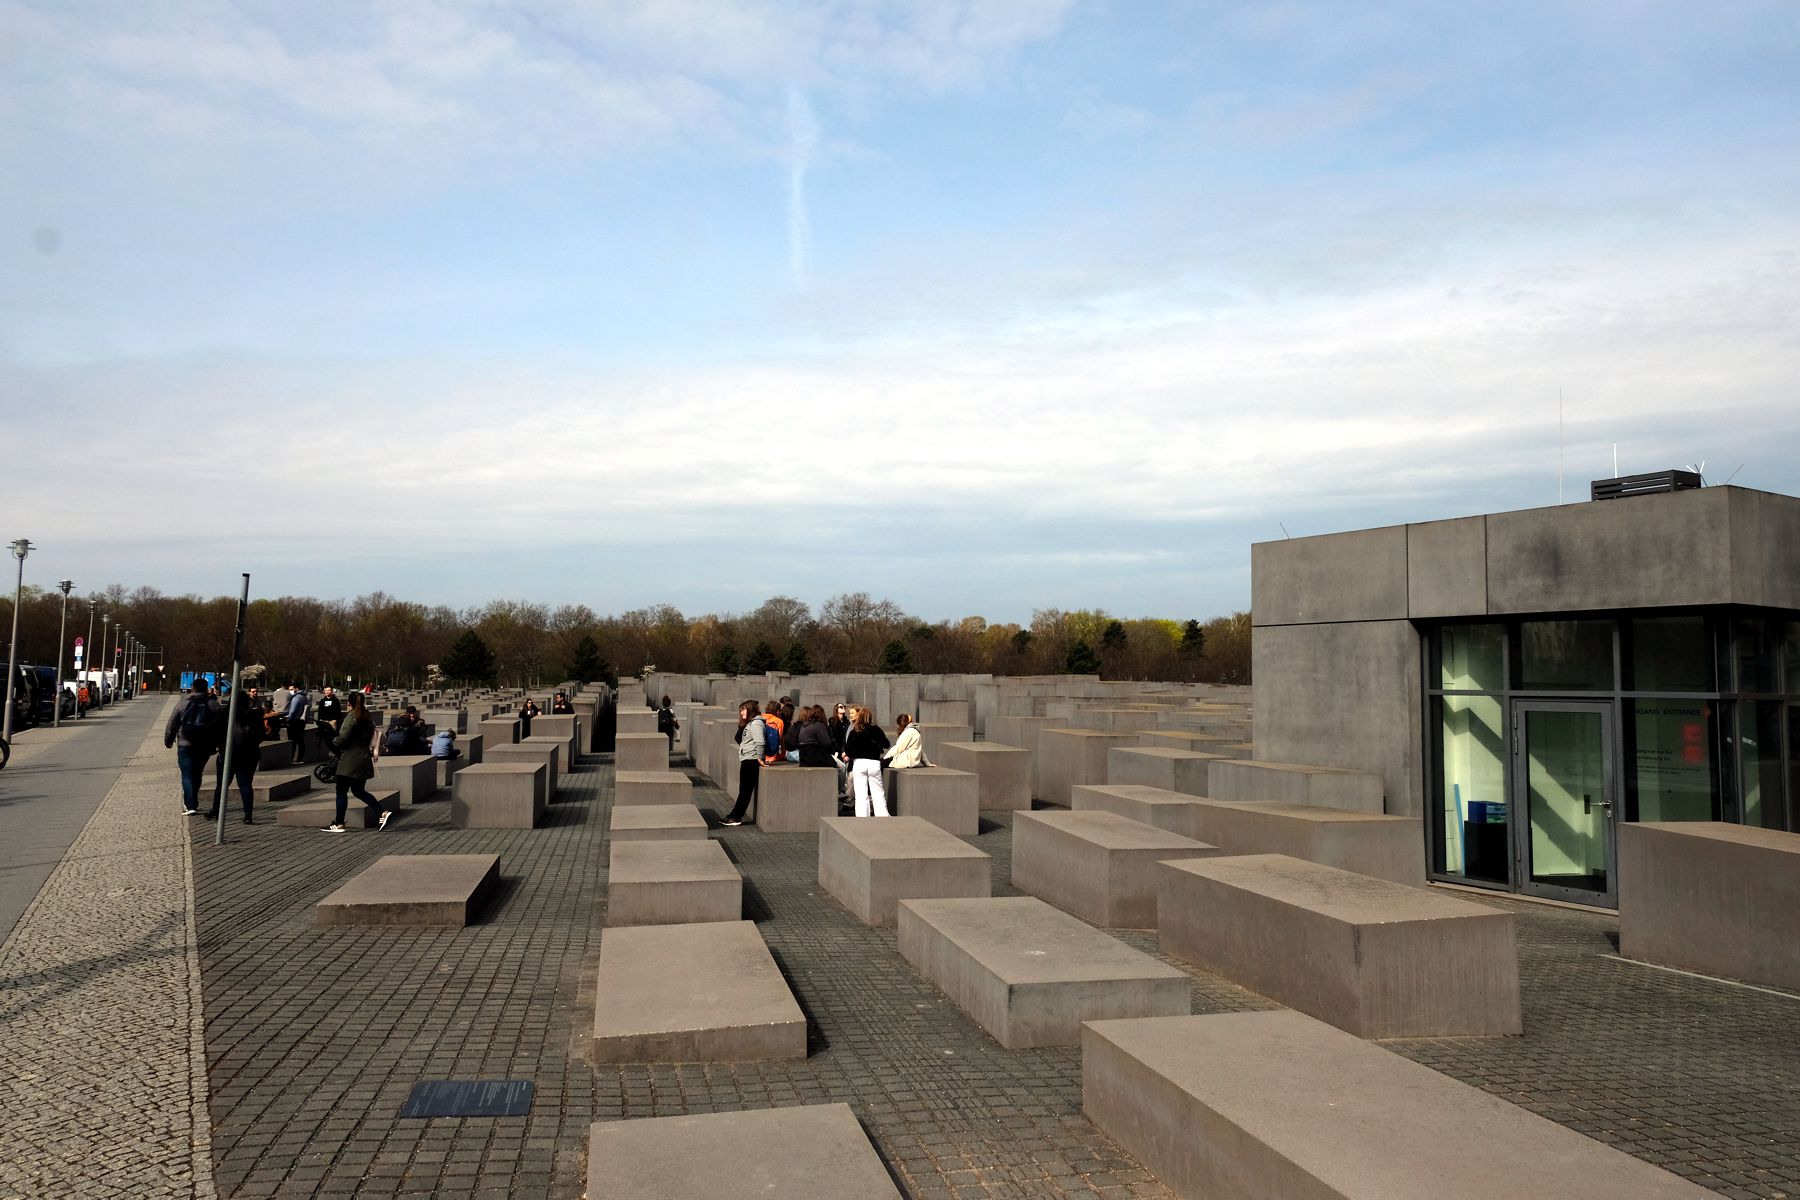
x: 20, y: 549
x: 105, y: 625
x: 62, y: 635
x: 87, y: 657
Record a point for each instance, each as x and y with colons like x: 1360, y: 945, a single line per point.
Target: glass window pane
x: 1565, y: 656
x: 1675, y: 774
x: 1470, y: 659
x: 1753, y: 643
x: 1793, y: 658
x: 1669, y: 654
x: 1759, y: 764
x: 1471, y: 824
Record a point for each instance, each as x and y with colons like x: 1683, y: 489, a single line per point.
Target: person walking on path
x: 299, y: 705
x: 666, y: 724
x: 354, y: 744
x: 195, y: 729
x: 863, y: 746
x: 246, y: 756
x: 750, y: 733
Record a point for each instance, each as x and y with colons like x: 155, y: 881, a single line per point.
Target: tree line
x: 383, y: 640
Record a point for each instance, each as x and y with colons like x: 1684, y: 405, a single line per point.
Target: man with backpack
x: 196, y: 729
x: 405, y: 734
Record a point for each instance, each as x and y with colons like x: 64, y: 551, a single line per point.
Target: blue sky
x: 980, y: 307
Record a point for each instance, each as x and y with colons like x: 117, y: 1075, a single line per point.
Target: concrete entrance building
x: 1526, y: 681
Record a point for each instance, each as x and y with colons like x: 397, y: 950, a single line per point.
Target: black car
x: 48, y: 695
x: 25, y: 697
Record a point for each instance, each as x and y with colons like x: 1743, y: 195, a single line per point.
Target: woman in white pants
x: 863, y: 746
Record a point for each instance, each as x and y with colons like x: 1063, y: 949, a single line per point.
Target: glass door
x: 1564, y: 789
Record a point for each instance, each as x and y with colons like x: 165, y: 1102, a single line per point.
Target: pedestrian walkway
x: 102, y: 1065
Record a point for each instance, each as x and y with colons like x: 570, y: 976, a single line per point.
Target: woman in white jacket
x: 909, y: 748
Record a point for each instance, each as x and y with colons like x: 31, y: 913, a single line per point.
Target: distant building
x: 1524, y: 681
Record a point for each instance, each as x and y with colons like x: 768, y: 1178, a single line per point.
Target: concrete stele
x: 672, y: 883
x: 708, y: 992
x: 657, y: 823
x: 870, y: 864
x: 651, y: 787
x: 1098, y: 865
x: 1002, y: 773
x: 1276, y: 1104
x: 413, y: 889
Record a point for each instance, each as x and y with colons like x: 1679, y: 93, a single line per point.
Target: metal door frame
x: 1607, y: 711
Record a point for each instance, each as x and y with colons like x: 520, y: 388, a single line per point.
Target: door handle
x: 1588, y: 802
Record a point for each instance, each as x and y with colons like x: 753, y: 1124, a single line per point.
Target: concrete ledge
x: 792, y: 799
x: 1391, y: 848
x: 1002, y: 773
x: 1710, y: 897
x: 1275, y: 1104
x: 672, y: 883
x: 638, y: 720
x: 1067, y: 758
x: 1295, y: 783
x: 810, y: 1152
x: 500, y: 731
x: 641, y: 752
x: 946, y: 798
x: 414, y: 776
x: 547, y: 751
x: 498, y: 795
x: 657, y: 823
x: 1183, y: 771
x: 692, y: 993
x: 1097, y: 865
x: 413, y: 889
x: 1379, y: 959
x: 271, y: 787
x: 651, y: 787
x: 317, y: 814
x: 1030, y: 974
x: 870, y: 864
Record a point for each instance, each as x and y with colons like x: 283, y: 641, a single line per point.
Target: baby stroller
x: 326, y: 772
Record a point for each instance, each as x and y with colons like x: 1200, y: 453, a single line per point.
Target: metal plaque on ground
x: 469, y: 1098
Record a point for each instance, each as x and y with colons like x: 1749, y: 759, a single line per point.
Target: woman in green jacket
x: 354, y: 745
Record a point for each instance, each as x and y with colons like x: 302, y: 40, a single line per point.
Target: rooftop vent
x: 1644, y: 485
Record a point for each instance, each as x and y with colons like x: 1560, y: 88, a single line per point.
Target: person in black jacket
x: 813, y: 741
x: 863, y: 746
x: 246, y: 756
x: 355, y: 748
x: 195, y: 729
x: 839, y: 727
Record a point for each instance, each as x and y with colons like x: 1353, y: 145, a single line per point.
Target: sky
x: 982, y: 307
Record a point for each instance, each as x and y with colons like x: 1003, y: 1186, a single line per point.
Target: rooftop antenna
x: 1284, y: 532
x: 1731, y: 476
x: 1559, y: 445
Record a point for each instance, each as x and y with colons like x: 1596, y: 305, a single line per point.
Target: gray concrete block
x: 934, y: 735
x: 870, y: 864
x: 1002, y: 773
x: 499, y: 795
x: 500, y: 731
x: 1225, y: 745
x: 1160, y: 767
x: 672, y: 883
x: 692, y: 993
x: 792, y: 799
x: 317, y: 814
x: 270, y: 786
x: 651, y: 787
x: 564, y: 727
x: 657, y: 823
x: 1098, y: 865
x: 1376, y: 958
x: 638, y: 721
x: 1275, y: 1105
x: 1115, y: 720
x: 1711, y: 897
x: 949, y: 799
x: 1030, y: 974
x: 1294, y: 783
x: 809, y: 1152
x: 1067, y: 758
x: 414, y: 776
x: 413, y: 889
x: 641, y: 752
x: 551, y: 751
x: 945, y: 712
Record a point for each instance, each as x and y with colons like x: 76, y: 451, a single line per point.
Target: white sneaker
x: 382, y: 823
x: 336, y: 829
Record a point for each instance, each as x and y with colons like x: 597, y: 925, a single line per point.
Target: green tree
x: 1113, y: 639
x: 1193, y: 640
x: 796, y: 661
x: 896, y: 659
x: 762, y: 658
x: 725, y: 660
x: 1081, y: 659
x: 469, y: 660
x: 588, y: 666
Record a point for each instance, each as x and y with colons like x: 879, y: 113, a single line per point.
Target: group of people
x: 197, y: 728
x: 848, y: 740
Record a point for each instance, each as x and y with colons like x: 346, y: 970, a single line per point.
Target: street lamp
x: 20, y: 549
x: 105, y: 625
x: 62, y: 634
x: 87, y: 658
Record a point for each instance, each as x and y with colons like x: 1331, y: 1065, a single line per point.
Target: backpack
x: 665, y: 722
x: 394, y: 741
x: 199, y: 723
x: 771, y: 741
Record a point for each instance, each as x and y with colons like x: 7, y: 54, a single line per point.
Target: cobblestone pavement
x: 315, y: 1036
x: 102, y: 1068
